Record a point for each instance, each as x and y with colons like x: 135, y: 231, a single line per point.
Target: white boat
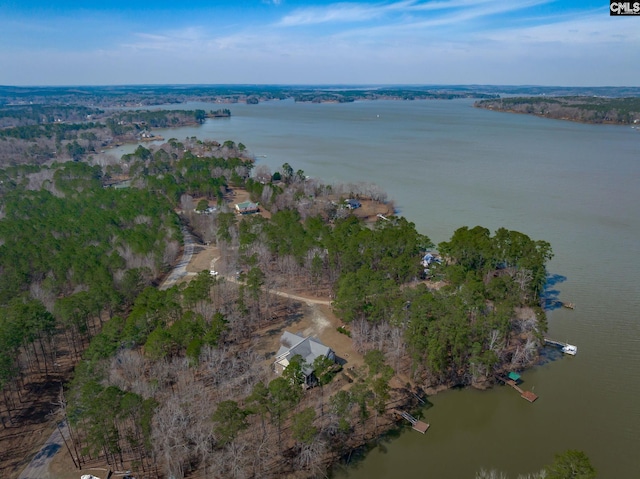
x: 570, y: 349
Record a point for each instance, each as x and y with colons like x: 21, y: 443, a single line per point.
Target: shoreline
x: 586, y: 111
x: 583, y: 122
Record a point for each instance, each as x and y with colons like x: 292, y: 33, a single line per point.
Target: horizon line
x: 307, y: 85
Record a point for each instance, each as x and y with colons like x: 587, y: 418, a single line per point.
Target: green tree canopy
x: 230, y: 419
x: 571, y: 464
x: 302, y: 426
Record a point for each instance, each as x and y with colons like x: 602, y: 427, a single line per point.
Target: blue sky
x: 539, y: 42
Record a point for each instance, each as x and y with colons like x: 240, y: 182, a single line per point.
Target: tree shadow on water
x: 352, y: 460
x: 551, y: 296
x: 551, y: 300
x: 550, y: 353
x: 553, y: 279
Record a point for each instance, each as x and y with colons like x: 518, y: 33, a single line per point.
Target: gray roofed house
x: 247, y: 207
x: 308, y: 348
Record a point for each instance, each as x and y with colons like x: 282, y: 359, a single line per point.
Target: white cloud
x: 341, y: 12
x: 454, y: 10
x: 172, y: 40
x: 586, y: 29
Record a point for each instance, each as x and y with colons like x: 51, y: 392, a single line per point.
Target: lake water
x: 447, y: 164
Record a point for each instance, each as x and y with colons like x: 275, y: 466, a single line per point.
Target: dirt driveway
x: 317, y: 318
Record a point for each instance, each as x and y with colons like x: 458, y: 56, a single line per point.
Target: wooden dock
x: 528, y: 395
x: 416, y: 424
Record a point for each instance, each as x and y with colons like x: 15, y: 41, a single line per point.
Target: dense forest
x: 169, y: 381
x: 592, y: 109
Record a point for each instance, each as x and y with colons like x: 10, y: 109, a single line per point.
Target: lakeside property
x: 434, y: 215
x: 445, y: 164
x: 312, y: 237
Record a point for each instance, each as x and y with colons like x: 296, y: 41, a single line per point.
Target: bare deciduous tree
x: 128, y: 372
x: 186, y: 203
x: 263, y: 173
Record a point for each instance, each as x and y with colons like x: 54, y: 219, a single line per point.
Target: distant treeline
x: 136, y: 96
x: 24, y: 115
x: 161, y: 118
x: 575, y: 108
x: 141, y: 96
x: 346, y: 96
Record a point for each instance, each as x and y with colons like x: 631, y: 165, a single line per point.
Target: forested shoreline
x: 39, y: 134
x: 592, y: 109
x: 170, y: 382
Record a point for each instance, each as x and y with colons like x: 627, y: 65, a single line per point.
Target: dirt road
x: 38, y: 468
x: 180, y: 270
x: 302, y: 299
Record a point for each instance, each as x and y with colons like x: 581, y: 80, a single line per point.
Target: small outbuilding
x: 515, y: 377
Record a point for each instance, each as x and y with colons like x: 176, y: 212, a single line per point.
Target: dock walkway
x: 528, y: 395
x: 416, y: 424
x: 566, y: 347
